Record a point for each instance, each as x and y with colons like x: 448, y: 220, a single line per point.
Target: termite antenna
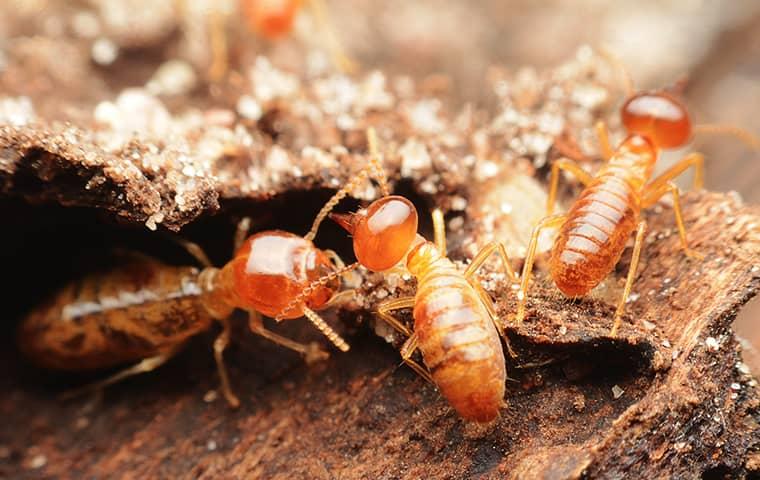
x: 749, y: 139
x: 376, y: 162
x: 616, y: 62
x: 341, y: 60
x: 322, y: 281
x: 374, y: 167
x: 678, y: 87
x: 192, y: 248
x: 318, y: 322
x: 326, y: 330
x: 339, y: 195
x: 219, y: 48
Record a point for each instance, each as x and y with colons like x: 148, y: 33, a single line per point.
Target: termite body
x: 594, y: 232
x: 145, y: 310
x: 111, y: 318
x: 600, y: 222
x: 455, y: 326
x: 457, y: 336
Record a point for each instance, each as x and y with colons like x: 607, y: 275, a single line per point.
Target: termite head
x: 658, y: 116
x: 383, y: 232
x: 272, y: 267
x: 270, y: 18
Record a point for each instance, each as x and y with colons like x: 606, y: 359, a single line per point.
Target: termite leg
x: 439, y: 231
x: 344, y: 296
x: 241, y: 232
x: 312, y: 352
x: 384, y: 309
x: 484, y: 254
x: 374, y: 167
x: 220, y: 344
x: 193, y: 249
x: 569, y: 166
x: 218, y: 40
x: 326, y: 330
x: 488, y: 304
x: 652, y: 196
x: 472, y: 269
x: 410, y: 345
x: 341, y: 298
x: 749, y: 139
x: 604, y: 140
x: 522, y: 294
x: 617, y: 63
x: 631, y: 276
x: 335, y: 258
x: 340, y: 265
x: 697, y: 160
x: 144, y: 366
x: 407, y: 350
x: 341, y: 60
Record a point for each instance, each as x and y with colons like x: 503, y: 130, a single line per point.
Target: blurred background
x: 713, y: 45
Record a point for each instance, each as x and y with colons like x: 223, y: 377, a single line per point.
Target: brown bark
x: 687, y: 406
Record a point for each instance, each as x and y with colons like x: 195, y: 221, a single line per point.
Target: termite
x: 455, y: 325
x: 272, y: 20
x: 594, y: 232
x: 146, y: 310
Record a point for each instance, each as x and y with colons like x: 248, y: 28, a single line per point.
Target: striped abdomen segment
x: 593, y: 237
x: 459, y: 343
x: 106, y: 319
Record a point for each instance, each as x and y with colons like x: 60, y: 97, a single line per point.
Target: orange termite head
x: 658, y: 116
x: 270, y: 18
x: 272, y: 267
x: 383, y: 232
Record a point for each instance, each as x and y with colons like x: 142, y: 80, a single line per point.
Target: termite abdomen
x: 459, y: 343
x: 112, y: 318
x: 594, y: 235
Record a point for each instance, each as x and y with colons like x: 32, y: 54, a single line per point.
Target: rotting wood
x: 686, y: 406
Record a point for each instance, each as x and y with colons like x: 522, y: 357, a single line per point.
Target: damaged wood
x: 670, y: 395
